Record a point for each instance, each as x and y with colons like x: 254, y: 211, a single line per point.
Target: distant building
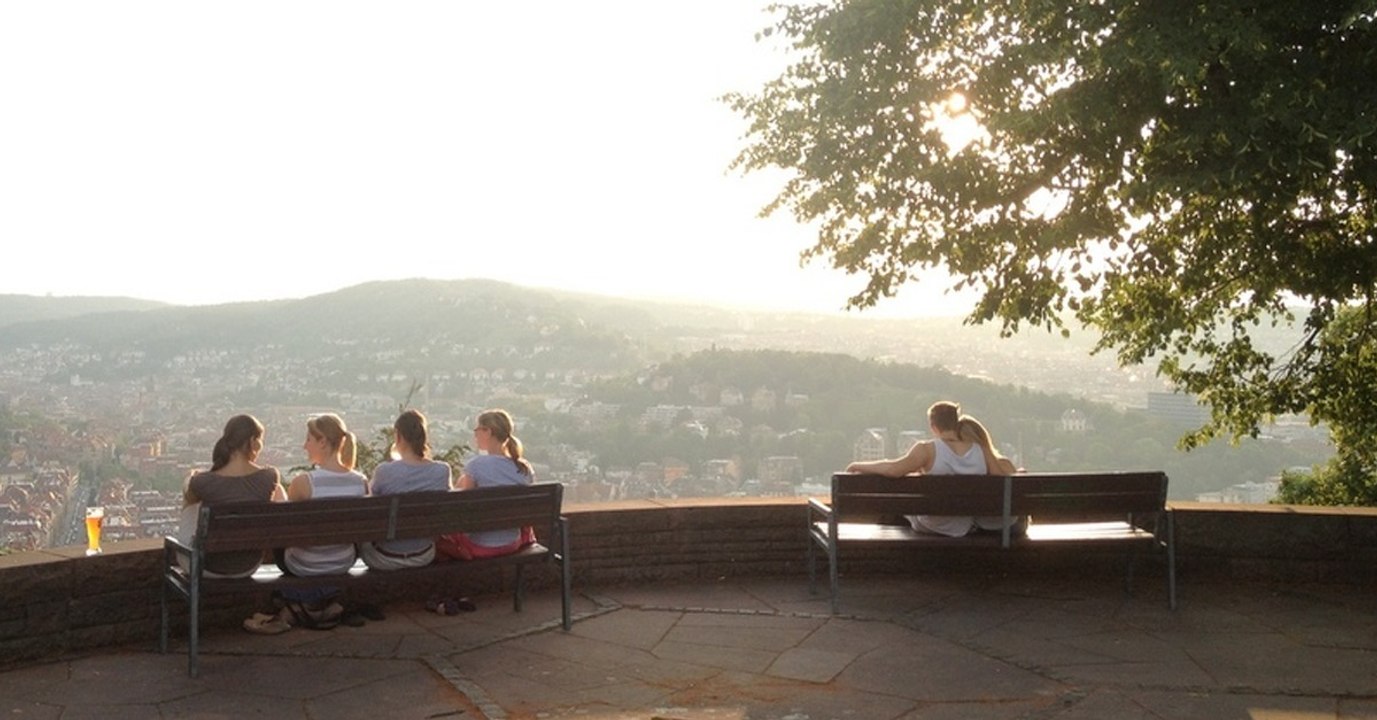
x: 1243, y: 493
x: 1074, y: 421
x: 907, y: 439
x: 1177, y: 408
x: 781, y: 470
x: 871, y: 445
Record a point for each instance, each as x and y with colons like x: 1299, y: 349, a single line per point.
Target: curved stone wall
x: 58, y: 601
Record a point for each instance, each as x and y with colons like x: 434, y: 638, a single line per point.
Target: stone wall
x: 58, y: 602
x: 1283, y: 543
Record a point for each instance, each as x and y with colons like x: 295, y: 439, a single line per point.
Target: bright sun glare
x: 957, y: 123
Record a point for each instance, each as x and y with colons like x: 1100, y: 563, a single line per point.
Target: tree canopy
x: 1171, y: 174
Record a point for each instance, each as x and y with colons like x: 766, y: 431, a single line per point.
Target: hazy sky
x: 198, y: 152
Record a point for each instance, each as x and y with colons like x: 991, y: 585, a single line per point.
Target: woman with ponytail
x: 331, y: 449
x: 500, y: 464
x: 234, y: 476
x: 960, y: 445
x: 411, y: 470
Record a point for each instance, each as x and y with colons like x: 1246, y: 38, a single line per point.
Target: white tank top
x: 327, y: 559
x: 948, y: 462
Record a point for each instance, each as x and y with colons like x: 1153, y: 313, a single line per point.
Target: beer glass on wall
x: 95, y: 518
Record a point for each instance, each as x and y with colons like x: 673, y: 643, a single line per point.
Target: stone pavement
x: 906, y: 647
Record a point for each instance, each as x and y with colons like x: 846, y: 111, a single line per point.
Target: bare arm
x: 300, y: 489
x: 279, y: 494
x: 189, y: 497
x: 465, y: 482
x: 997, y: 464
x: 918, y: 459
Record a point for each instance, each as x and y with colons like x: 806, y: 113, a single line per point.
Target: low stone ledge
x: 61, y: 602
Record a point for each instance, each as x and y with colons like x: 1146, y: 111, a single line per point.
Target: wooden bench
x: 264, y: 525
x: 1059, y: 504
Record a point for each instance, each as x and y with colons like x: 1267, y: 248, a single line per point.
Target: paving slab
x: 903, y: 648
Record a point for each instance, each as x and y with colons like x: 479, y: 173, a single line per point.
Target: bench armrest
x: 174, y: 548
x: 818, y: 509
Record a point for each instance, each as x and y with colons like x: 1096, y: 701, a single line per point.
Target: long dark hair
x: 411, y: 427
x: 240, y: 432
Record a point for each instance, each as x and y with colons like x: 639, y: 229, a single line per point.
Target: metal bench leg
x: 194, y: 631
x: 832, y: 574
x: 1171, y: 563
x: 812, y: 565
x: 162, y: 628
x: 1128, y: 571
x: 520, y: 588
x: 566, y: 575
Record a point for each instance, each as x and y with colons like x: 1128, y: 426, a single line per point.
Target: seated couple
x: 235, y: 476
x: 960, y: 446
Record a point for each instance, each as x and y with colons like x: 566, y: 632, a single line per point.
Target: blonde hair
x: 499, y: 423
x: 330, y: 427
x: 972, y: 431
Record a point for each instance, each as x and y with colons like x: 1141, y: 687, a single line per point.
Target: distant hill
x: 406, y: 316
x: 33, y: 308
x: 598, y: 333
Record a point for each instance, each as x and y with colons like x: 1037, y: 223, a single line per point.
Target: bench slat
x: 433, y: 513
x: 257, y: 525
x: 917, y: 495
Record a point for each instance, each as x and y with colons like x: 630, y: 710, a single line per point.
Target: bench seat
x: 328, y: 521
x: 1115, y: 509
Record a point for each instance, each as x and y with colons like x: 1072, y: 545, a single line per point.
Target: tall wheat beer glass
x: 95, y: 518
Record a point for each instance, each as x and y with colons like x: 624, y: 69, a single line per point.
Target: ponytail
x: 331, y: 427
x: 348, y: 451
x: 513, y: 448
x: 219, y: 455
x: 411, y: 428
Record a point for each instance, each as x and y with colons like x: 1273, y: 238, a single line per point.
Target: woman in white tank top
x: 330, y: 447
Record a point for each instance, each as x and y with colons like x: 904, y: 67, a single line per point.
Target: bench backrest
x: 257, y: 525
x: 1053, y: 495
x: 1046, y: 495
x: 854, y: 494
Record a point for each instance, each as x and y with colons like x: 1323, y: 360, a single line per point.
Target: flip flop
x: 264, y: 624
x: 450, y: 606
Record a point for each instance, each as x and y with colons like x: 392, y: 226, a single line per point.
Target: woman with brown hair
x: 234, y: 476
x: 412, y: 470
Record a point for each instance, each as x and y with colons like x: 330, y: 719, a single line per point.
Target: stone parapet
x: 59, y: 602
x: 1284, y: 543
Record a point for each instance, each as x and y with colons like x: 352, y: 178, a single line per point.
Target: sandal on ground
x: 265, y: 624
x: 450, y: 606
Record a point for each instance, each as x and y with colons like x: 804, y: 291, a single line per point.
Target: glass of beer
x: 95, y: 518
